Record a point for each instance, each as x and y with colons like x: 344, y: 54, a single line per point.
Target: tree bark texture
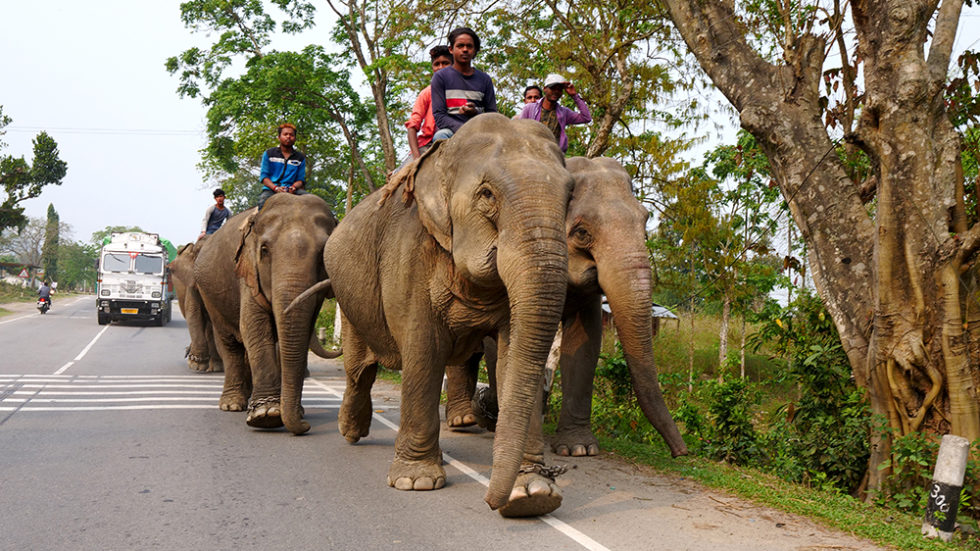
x: 888, y: 275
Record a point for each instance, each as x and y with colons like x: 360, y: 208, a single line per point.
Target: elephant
x: 202, y: 354
x: 606, y: 235
x: 248, y: 272
x: 475, y: 245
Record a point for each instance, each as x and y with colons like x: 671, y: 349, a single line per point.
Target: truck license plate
x: 130, y: 310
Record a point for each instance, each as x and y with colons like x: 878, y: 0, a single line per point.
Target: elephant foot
x: 264, y: 413
x: 416, y: 475
x: 534, y: 493
x: 198, y: 362
x: 484, y: 407
x: 460, y: 415
x: 215, y: 367
x: 579, y: 442
x: 356, y: 424
x: 232, y: 401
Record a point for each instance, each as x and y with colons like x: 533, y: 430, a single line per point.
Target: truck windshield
x: 148, y: 264
x: 116, y: 262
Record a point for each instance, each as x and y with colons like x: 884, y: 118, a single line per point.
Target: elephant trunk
x: 294, y: 331
x: 535, y: 272
x: 627, y: 286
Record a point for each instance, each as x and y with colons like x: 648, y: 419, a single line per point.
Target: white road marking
x: 32, y: 314
x: 16, y: 319
x: 83, y: 352
x: 31, y: 393
x: 578, y: 537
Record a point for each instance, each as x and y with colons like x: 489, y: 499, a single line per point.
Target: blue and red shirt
x: 282, y: 171
x: 452, y: 90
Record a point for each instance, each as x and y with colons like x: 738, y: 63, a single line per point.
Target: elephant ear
x: 247, y: 269
x: 424, y: 182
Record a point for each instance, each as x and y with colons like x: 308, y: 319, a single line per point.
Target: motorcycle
x: 43, y: 304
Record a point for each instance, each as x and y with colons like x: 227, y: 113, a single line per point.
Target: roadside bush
x: 820, y: 437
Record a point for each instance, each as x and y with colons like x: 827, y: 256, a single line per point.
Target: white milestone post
x: 944, y: 491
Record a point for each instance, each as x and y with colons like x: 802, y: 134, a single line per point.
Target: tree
x: 379, y: 35
x: 712, y: 242
x: 310, y: 88
x: 22, y: 181
x: 76, y: 265
x: 621, y: 55
x: 101, y: 235
x: 49, y: 251
x: 27, y: 244
x: 889, y: 247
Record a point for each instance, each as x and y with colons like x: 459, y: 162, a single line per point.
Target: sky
x: 92, y: 75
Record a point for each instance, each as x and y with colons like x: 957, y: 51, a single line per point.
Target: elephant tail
x: 309, y: 293
x: 318, y: 349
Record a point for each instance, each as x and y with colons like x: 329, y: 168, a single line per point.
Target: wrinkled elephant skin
x: 470, y: 241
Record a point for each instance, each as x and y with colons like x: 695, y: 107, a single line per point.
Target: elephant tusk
x: 318, y: 349
x: 305, y: 295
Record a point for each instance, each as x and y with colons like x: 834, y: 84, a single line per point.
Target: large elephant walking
x: 248, y: 272
x: 202, y: 354
x: 606, y: 234
x: 474, y: 244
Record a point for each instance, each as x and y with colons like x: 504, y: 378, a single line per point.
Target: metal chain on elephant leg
x: 254, y: 403
x: 551, y: 472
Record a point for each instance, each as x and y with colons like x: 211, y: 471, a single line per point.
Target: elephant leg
x: 238, y: 380
x: 354, y: 419
x: 418, y: 458
x: 216, y: 365
x: 460, y: 387
x: 484, y: 404
x: 579, y: 355
x: 200, y: 352
x: 535, y: 492
x: 264, y: 409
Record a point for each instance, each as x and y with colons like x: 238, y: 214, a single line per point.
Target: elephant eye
x: 485, y: 193
x: 581, y: 235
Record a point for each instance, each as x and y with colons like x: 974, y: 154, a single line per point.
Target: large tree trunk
x: 890, y: 281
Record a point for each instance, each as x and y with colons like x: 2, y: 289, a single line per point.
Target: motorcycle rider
x: 45, y: 292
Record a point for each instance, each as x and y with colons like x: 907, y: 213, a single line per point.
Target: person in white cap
x: 556, y: 117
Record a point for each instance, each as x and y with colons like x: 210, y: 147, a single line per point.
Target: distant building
x: 17, y: 273
x: 657, y: 313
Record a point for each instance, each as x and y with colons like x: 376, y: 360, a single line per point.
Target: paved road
x: 108, y: 441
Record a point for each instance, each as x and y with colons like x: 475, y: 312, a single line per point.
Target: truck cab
x: 134, y: 279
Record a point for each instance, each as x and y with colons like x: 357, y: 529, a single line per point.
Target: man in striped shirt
x: 460, y: 91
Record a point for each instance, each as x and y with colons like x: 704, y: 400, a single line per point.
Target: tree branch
x: 942, y: 39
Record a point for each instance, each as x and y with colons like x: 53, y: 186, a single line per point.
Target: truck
x: 134, y: 278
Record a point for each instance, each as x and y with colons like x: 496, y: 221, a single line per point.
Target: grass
x: 15, y: 293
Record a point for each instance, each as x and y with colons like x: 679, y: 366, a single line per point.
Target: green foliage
x: 22, y: 181
x: 16, y: 293
x: 713, y: 239
x: 325, y: 318
x: 822, y: 436
x: 913, y: 456
x: 76, y: 265
x: 732, y: 436
x: 613, y: 369
x: 310, y: 88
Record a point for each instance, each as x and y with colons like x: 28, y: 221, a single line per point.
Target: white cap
x: 553, y: 79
